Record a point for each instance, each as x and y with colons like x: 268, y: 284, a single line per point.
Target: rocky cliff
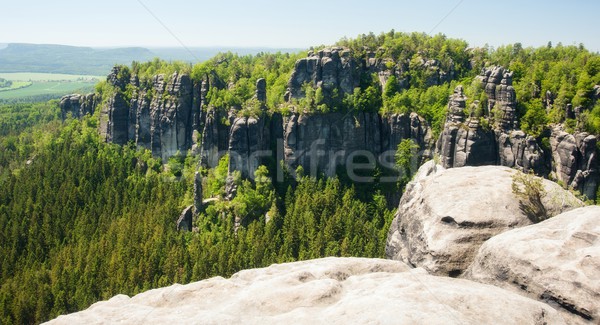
x: 172, y: 113
x: 319, y: 142
x: 156, y: 114
x: 466, y: 142
x: 78, y: 105
x: 322, y: 142
x: 574, y: 160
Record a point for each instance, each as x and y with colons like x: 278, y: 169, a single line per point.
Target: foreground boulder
x: 556, y: 261
x: 329, y: 290
x: 446, y: 214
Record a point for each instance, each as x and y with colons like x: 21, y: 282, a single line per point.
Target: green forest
x: 82, y: 220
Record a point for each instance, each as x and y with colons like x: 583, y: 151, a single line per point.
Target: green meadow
x: 27, y: 85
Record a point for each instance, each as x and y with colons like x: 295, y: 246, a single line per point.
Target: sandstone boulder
x: 556, y: 261
x: 443, y: 218
x: 324, y: 291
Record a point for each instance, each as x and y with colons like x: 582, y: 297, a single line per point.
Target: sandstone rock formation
x: 444, y: 217
x: 172, y: 113
x: 330, y: 290
x: 248, y: 144
x: 464, y: 142
x: 78, y: 105
x: 159, y: 114
x: 215, y: 137
x: 576, y: 162
x: 555, y: 261
x: 324, y: 142
x: 250, y: 137
x: 330, y: 69
x: 184, y: 222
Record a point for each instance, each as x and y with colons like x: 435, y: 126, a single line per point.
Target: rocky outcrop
x: 465, y: 142
x: 184, y: 223
x: 114, y: 120
x: 446, y: 214
x: 329, y: 69
x: 330, y: 290
x: 78, y: 105
x: 248, y: 144
x: 339, y: 69
x: 501, y: 95
x: 556, y: 261
x: 322, y: 142
x: 249, y: 137
x: 167, y: 114
x: 575, y: 160
x: 215, y: 137
x: 156, y: 114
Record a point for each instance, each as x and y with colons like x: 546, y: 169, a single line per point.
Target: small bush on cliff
x: 529, y: 189
x: 406, y: 155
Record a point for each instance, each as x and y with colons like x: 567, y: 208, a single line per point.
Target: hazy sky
x: 300, y: 24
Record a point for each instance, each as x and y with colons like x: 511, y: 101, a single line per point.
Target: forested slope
x: 82, y: 220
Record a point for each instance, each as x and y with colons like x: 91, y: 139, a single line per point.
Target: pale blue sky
x: 294, y: 23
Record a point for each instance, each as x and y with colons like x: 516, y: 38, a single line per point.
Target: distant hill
x: 19, y: 57
x: 196, y: 54
x: 67, y: 59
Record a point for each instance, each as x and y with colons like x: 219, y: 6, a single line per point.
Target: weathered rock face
x: 330, y: 290
x: 78, y: 105
x: 164, y: 114
x: 261, y: 90
x: 184, y: 223
x: 521, y: 151
x: 114, y: 120
x: 556, y: 261
x: 215, y: 137
x: 321, y: 143
x: 446, y: 214
x: 248, y: 144
x: 464, y: 142
x: 250, y: 138
x: 170, y: 115
x: 330, y: 69
x: 159, y: 115
x: 337, y: 69
x: 576, y: 162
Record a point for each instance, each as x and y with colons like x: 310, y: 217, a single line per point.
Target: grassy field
x: 45, y: 85
x: 57, y: 88
x: 17, y: 85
